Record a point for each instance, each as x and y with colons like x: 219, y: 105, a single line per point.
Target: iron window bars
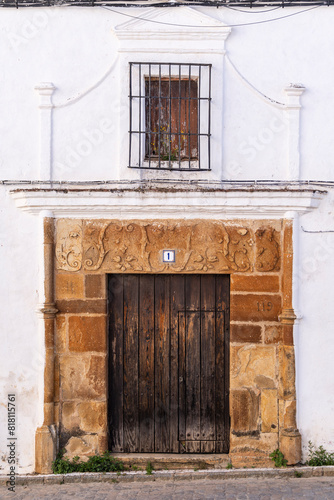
x: 170, y: 115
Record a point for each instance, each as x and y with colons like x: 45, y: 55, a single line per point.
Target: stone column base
x: 45, y: 450
x: 290, y: 444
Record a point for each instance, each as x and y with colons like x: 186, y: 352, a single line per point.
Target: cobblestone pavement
x: 232, y: 489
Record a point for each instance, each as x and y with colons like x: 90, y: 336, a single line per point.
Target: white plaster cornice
x: 139, y: 203
x: 182, y: 24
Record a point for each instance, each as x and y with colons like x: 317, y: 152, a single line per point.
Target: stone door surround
x: 258, y: 256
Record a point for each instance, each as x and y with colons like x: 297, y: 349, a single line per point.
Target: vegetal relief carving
x: 69, y: 245
x: 164, y: 236
x: 137, y: 246
x: 240, y: 247
x: 94, y: 251
x: 267, y: 250
x: 220, y: 248
x: 117, y: 246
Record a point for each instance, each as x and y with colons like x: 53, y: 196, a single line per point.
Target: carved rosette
x: 201, y: 246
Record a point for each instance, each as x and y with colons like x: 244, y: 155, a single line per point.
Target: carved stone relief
x: 201, y: 246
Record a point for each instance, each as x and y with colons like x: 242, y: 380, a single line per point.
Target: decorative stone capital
x: 45, y: 91
x: 294, y: 92
x: 287, y: 317
x: 49, y: 311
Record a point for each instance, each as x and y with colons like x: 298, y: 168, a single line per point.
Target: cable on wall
x: 206, y: 27
x: 260, y: 94
x: 72, y: 100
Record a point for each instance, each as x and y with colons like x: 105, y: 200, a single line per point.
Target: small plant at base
x: 229, y: 466
x: 319, y: 456
x: 149, y: 468
x: 95, y: 463
x: 278, y: 457
x: 298, y: 474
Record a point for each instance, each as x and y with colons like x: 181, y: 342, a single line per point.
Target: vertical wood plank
x: 208, y: 431
x: 130, y: 402
x: 222, y: 365
x: 193, y: 375
x: 177, y: 304
x: 162, y: 366
x: 146, y: 364
x: 182, y: 379
x: 193, y: 447
x: 193, y: 357
x: 115, y: 400
x: 208, y: 446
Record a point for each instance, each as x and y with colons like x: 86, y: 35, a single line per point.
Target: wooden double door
x: 168, y: 363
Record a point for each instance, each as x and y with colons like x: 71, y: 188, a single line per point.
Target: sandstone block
x: 102, y: 443
x: 287, y: 265
x: 69, y: 286
x: 69, y: 416
x: 83, y: 377
x: 252, y: 307
x: 269, y: 410
x: 95, y: 285
x: 244, y: 412
x: 289, y: 415
x: 251, y: 459
x: 56, y: 413
x: 290, y: 445
x: 82, y: 446
x: 288, y: 335
x: 87, y: 333
x: 57, y: 378
x: 45, y: 450
x: 49, y: 333
x: 286, y: 359
x: 92, y: 306
x: 261, y: 444
x: 273, y: 334
x: 93, y: 416
x: 254, y: 283
x: 242, y: 333
x: 267, y: 242
x: 60, y: 334
x: 253, y: 366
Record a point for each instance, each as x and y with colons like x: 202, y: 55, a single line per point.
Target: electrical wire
x: 264, y: 97
x: 223, y: 25
x: 72, y: 100
x: 252, y: 11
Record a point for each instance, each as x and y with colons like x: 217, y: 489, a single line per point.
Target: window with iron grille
x: 170, y: 116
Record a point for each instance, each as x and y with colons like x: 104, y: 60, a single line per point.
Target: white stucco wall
x: 22, y: 360
x: 76, y: 49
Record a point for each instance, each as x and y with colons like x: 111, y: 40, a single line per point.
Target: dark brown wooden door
x: 168, y: 363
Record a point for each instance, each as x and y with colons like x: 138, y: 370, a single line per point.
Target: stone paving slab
x: 252, y: 488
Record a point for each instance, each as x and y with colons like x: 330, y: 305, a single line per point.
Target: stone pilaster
x: 289, y: 436
x: 45, y: 438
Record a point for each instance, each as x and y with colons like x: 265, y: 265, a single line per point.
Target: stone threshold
x: 141, y: 476
x: 171, y: 461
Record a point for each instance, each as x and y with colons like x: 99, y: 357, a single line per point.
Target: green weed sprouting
x: 319, y: 456
x: 278, y: 457
x: 149, y: 468
x: 96, y: 463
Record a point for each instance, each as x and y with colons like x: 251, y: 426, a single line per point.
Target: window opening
x: 170, y: 116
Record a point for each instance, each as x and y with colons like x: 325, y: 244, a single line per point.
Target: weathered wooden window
x: 170, y: 116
